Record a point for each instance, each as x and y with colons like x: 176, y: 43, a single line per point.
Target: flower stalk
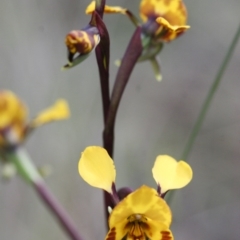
x: 102, y: 52
x: 100, y: 4
x: 129, y: 60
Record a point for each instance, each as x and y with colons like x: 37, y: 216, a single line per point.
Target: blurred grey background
x: 154, y: 118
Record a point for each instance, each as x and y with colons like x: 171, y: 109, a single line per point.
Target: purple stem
x: 128, y: 62
x: 61, y: 215
x: 130, y: 58
x: 102, y: 56
x: 100, y: 8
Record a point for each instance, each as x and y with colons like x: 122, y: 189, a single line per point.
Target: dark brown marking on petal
x: 112, y: 234
x: 166, y: 235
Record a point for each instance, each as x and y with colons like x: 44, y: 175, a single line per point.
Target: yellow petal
x: 108, y: 9
x: 97, y: 168
x: 174, y: 11
x: 170, y: 174
x: 58, y: 111
x: 167, y: 31
x: 144, y: 200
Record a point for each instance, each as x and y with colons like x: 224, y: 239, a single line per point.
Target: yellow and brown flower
x: 81, y: 42
x: 164, y: 20
x: 142, y: 214
x: 14, y: 114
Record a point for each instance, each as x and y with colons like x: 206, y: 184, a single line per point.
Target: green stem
x: 207, y: 102
x: 24, y: 166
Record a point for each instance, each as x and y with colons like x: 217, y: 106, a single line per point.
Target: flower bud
x: 80, y: 42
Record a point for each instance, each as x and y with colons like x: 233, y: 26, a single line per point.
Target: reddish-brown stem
x: 128, y: 62
x: 102, y: 56
x: 100, y: 7
x: 104, y: 83
x: 130, y: 58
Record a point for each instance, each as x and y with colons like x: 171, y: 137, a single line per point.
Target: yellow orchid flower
x: 170, y: 174
x: 13, y: 116
x: 171, y: 16
x: 141, y: 215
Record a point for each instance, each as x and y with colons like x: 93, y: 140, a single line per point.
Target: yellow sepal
x: 170, y: 174
x: 97, y: 168
x: 108, y: 9
x: 58, y: 111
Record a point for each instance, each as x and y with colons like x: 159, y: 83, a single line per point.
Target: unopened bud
x: 81, y: 42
